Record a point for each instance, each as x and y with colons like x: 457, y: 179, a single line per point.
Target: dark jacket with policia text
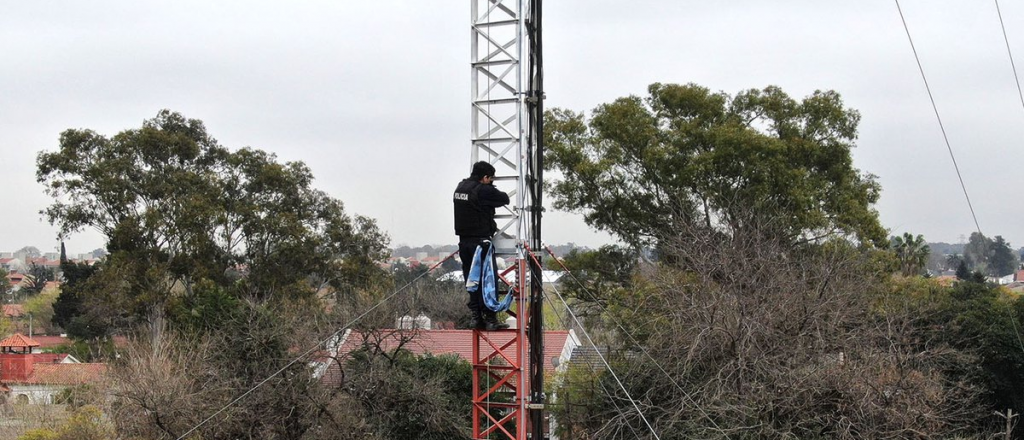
x: 474, y: 208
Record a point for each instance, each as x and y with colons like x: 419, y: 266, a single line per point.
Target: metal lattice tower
x: 498, y: 113
x: 506, y: 126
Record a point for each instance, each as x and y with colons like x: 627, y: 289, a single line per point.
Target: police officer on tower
x: 475, y: 199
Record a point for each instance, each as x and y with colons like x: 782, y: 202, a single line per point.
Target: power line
x: 1010, y: 54
x: 1016, y: 79
x: 313, y: 348
x: 1020, y: 93
x: 637, y: 343
x: 603, y: 388
x: 937, y: 117
x: 607, y: 365
x: 603, y: 360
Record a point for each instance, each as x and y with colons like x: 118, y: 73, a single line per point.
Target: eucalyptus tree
x: 641, y: 167
x: 178, y: 209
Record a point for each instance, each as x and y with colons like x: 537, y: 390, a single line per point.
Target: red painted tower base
x: 500, y: 388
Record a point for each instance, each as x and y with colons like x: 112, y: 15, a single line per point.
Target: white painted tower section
x: 498, y: 112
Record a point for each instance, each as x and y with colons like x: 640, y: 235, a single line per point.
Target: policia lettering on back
x: 475, y: 199
x: 472, y: 219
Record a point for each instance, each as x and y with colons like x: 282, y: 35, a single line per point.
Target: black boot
x: 476, y: 322
x: 490, y: 320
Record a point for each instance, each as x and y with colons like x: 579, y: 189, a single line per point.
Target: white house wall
x: 37, y: 394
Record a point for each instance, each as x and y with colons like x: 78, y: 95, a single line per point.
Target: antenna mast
x: 507, y: 131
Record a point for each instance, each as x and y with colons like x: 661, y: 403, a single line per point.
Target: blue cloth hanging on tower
x: 481, y: 275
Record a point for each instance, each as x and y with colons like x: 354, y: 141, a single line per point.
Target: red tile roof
x: 13, y: 310
x: 1018, y: 275
x: 42, y: 261
x: 64, y: 374
x: 48, y: 358
x: 458, y: 342
x: 51, y: 341
x: 18, y: 340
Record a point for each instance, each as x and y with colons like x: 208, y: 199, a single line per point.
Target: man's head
x: 483, y: 172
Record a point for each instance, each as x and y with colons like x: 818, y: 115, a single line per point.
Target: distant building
x: 1002, y: 281
x: 13, y: 264
x: 27, y: 377
x: 17, y: 280
x: 13, y: 311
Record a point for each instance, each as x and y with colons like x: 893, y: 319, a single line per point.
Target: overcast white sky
x: 374, y: 95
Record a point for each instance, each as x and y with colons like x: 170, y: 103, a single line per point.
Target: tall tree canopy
x: 177, y: 208
x: 990, y: 257
x: 687, y: 156
x: 1003, y: 260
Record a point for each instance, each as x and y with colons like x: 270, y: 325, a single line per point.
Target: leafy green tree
x: 911, y: 251
x: 450, y: 265
x: 216, y: 259
x: 5, y: 285
x: 599, y: 272
x: 639, y: 168
x: 962, y: 272
x: 69, y: 313
x: 177, y: 208
x: 1003, y: 261
x: 992, y: 257
x: 978, y: 318
x: 39, y: 309
x: 403, y: 274
x: 6, y: 326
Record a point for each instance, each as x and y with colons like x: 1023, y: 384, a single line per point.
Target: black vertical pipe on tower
x: 536, y: 130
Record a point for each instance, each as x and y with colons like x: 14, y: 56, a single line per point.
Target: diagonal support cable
x: 314, y: 348
x: 937, y: 117
x: 1006, y: 39
x: 1013, y: 319
x: 601, y: 356
x: 634, y: 341
x: 1020, y: 93
x: 603, y: 388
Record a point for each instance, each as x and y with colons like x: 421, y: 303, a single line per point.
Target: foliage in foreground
x: 87, y: 423
x: 403, y: 396
x: 758, y: 339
